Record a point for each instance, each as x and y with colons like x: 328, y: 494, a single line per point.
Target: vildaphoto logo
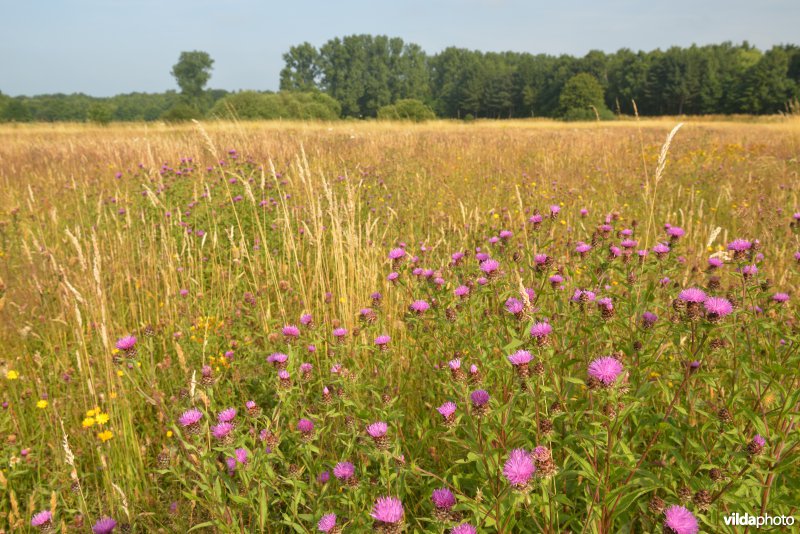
x: 758, y: 521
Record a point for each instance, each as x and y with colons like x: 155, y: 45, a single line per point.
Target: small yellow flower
x: 42, y: 404
x: 12, y: 375
x: 105, y: 435
x: 113, y: 395
x: 91, y: 413
x: 120, y: 373
x: 89, y: 421
x: 102, y: 418
x: 169, y: 433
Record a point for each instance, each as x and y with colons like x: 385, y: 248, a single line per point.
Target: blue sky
x: 104, y: 47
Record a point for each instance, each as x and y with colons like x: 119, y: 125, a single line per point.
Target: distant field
x: 204, y: 242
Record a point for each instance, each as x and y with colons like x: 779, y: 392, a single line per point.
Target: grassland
x: 205, y: 241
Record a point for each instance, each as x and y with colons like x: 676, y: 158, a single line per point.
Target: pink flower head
x: 661, y: 249
x: 675, y: 232
x: 327, y: 523
x: 629, y: 243
x: 781, y: 297
x: 447, y: 409
x: 554, y: 210
x: 606, y: 303
x: 692, y: 295
x: 536, y: 218
x: 393, y: 276
x: 740, y: 245
x: 377, y: 430
x: 305, y: 426
x: 541, y: 330
x: 344, y: 470
x: 227, y: 415
x: 479, y: 397
x: 519, y: 468
x: 583, y: 248
x: 306, y: 367
x: 505, y: 234
x: 454, y: 364
x: 514, y: 306
x: 290, y: 331
x: 41, y: 519
x: 126, y: 343
x: 443, y: 499
x: 679, y: 520
x: 605, y: 369
x: 241, y: 455
x: 464, y: 528
x: 520, y: 357
x: 190, y: 417
x: 461, y: 291
x: 222, y: 430
x: 277, y: 358
x: 306, y: 319
x: 104, y: 526
x: 396, y: 254
x: 388, y: 510
x: 715, y: 263
x: 556, y: 280
x: 382, y: 340
x: 490, y: 267
x: 583, y: 295
x: 541, y: 259
x: 419, y: 306
x: 339, y: 332
x: 717, y: 307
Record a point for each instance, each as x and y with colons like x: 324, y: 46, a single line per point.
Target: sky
x: 106, y: 47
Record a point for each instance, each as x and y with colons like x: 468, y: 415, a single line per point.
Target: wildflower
x: 393, y: 276
x: 556, y: 280
x: 43, y: 521
x: 606, y: 306
x: 748, y: 271
x: 127, y: 345
x: 190, y: 420
x: 382, y: 342
x: 448, y: 410
x: 443, y: 501
x: 490, y: 267
x: 474, y: 374
x: 464, y: 528
x: 661, y: 250
x: 397, y: 254
x: 583, y: 248
x: 535, y: 220
x: 252, y: 408
x: 780, y: 298
x: 717, y: 308
x: 515, y: 306
x: 340, y: 334
x: 756, y: 445
x: 740, y: 248
x: 715, y: 263
x: 480, y: 402
x: 328, y: 524
x: 306, y: 429
x: 105, y: 435
x: 306, y: 319
x: 679, y: 520
x: 540, y: 332
x: 690, y: 300
x: 455, y: 370
x: 290, y: 332
x: 419, y: 307
x: 519, y: 469
x: 88, y: 422
x: 675, y: 232
x: 305, y: 371
x: 377, y: 432
x: 388, y: 515
x: 12, y: 374
x: 520, y: 361
x: 207, y: 376
x: 605, y: 369
x: 649, y: 319
x: 456, y: 258
x: 461, y: 292
x: 345, y: 472
x: 222, y: 432
x: 102, y: 418
x: 41, y: 404
x: 104, y: 526
x: 284, y: 379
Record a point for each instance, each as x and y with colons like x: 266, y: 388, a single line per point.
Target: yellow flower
x: 169, y: 433
x: 89, y: 421
x: 120, y: 373
x: 102, y: 418
x: 12, y: 375
x: 113, y: 394
x: 105, y: 435
x: 91, y: 413
x: 41, y: 404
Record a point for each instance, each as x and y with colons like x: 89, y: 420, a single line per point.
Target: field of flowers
x: 445, y: 328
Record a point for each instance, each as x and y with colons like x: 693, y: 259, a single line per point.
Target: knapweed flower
x: 605, y: 370
x: 222, y: 432
x: 456, y: 372
x: 464, y: 528
x: 419, y: 307
x: 448, y: 410
x: 368, y: 315
x: 715, y: 263
x: 606, y: 307
x: 306, y: 429
x: 690, y: 300
x: 241, y: 456
x: 519, y: 469
x: 490, y: 267
x: 377, y: 432
x: 105, y: 525
x: 540, y: 332
x: 290, y: 332
x: 190, y: 420
x: 740, y: 248
x: 556, y: 280
x: 461, y: 292
x: 327, y: 524
x: 340, y: 334
x: 649, y: 319
x: 278, y: 359
x: 443, y: 501
x: 661, y: 250
x: 387, y: 511
x: 397, y: 254
x: 749, y: 271
x: 675, y: 232
x: 583, y: 296
x: 515, y: 306
x: 344, y: 471
x: 583, y: 248
x: 382, y: 342
x: 756, y: 445
x: 679, y: 520
x: 252, y: 408
x: 520, y: 361
x: 692, y: 295
x: 480, y: 402
x: 127, y: 345
x: 717, y: 308
x: 306, y: 319
x: 305, y: 371
x: 780, y: 298
x: 43, y: 521
x: 227, y: 415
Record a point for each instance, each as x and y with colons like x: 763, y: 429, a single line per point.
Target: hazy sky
x: 104, y: 47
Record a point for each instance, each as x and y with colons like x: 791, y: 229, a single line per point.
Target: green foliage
x: 15, y: 110
x: 582, y: 98
x: 251, y: 105
x: 181, y: 112
x: 192, y: 72
x: 407, y: 109
x: 101, y: 113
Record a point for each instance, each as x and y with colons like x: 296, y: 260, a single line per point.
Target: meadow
x: 518, y: 326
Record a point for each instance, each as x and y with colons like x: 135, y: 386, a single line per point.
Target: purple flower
x: 583, y: 248
x: 443, y: 499
x: 675, y: 232
x: 305, y: 426
x: 396, y: 254
x: 519, y: 468
x: 679, y: 520
x: 377, y: 430
x: 692, y: 295
x: 104, y: 526
x: 222, y: 430
x: 749, y: 270
x: 339, y: 332
x: 464, y: 528
x: 447, y: 409
x: 126, y: 343
x: 520, y: 357
x: 629, y: 243
x: 190, y: 417
x: 323, y: 477
x: 327, y: 523
x: 461, y: 291
x: 306, y: 319
x: 290, y: 331
x: 393, y: 276
x: 556, y: 280
x: 490, y: 267
x: 541, y: 330
x: 715, y: 263
x: 41, y: 519
x: 605, y: 369
x: 582, y: 295
x: 277, y: 358
x: 227, y: 415
x: 514, y: 306
x: 649, y: 319
x: 382, y: 340
x: 660, y: 249
x: 344, y: 470
x: 241, y: 455
x: 505, y: 234
x: 536, y: 218
x: 419, y: 306
x: 388, y: 510
x: 740, y: 245
x: 780, y: 297
x: 717, y: 307
x: 479, y: 397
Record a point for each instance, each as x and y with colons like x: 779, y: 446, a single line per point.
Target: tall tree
x: 302, y: 70
x: 192, y: 72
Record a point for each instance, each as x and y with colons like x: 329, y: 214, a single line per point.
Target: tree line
x: 364, y: 76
